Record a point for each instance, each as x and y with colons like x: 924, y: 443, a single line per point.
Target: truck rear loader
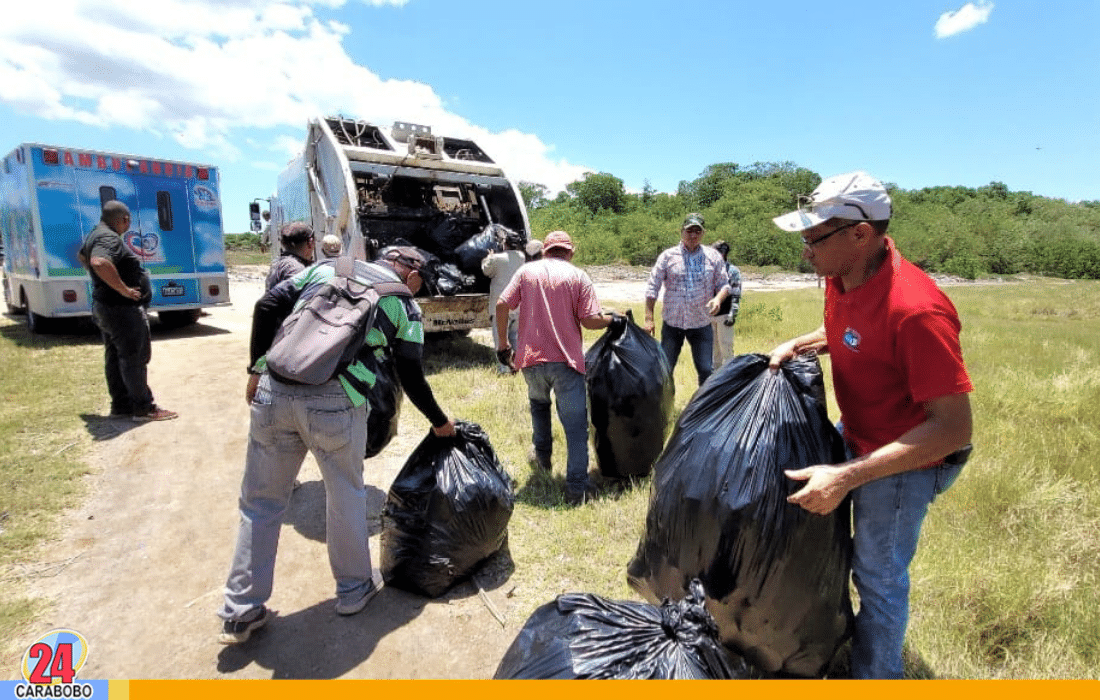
x: 373, y: 188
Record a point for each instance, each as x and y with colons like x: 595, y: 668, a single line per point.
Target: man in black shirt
x: 120, y: 291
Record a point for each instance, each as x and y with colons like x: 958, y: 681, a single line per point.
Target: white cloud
x: 216, y: 75
x: 963, y: 19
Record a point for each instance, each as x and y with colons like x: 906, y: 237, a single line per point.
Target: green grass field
x: 1005, y: 582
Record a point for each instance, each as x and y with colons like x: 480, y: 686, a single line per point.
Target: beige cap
x: 331, y: 245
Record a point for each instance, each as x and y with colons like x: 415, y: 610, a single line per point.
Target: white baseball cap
x: 856, y: 196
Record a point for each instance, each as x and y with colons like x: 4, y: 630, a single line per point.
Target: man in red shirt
x: 903, y: 393
x: 555, y: 299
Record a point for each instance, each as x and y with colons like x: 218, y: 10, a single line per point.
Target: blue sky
x: 918, y: 93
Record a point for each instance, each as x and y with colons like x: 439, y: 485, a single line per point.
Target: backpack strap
x: 345, y: 267
x: 387, y: 289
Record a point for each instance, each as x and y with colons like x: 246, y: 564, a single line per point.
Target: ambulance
x: 51, y: 198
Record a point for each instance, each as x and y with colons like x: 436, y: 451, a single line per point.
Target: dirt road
x: 139, y: 567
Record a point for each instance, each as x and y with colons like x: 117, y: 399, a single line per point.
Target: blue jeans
x: 571, y: 396
x: 887, y: 517
x: 126, y: 353
x: 287, y: 421
x: 701, y: 341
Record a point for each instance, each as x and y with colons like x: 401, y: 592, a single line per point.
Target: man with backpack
x: 329, y: 419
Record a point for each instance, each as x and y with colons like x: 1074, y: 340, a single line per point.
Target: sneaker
x: 155, y: 414
x: 343, y: 608
x: 238, y: 631
x: 580, y: 497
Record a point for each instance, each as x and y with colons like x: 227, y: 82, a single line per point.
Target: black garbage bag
x: 448, y: 280
x: 584, y: 636
x: 385, y: 405
x: 447, y: 511
x: 776, y: 575
x: 473, y: 250
x: 630, y: 394
x: 447, y: 234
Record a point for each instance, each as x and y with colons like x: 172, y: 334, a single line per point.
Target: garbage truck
x: 51, y: 198
x: 374, y: 187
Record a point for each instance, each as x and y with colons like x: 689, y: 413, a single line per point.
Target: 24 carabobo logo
x: 50, y: 666
x: 55, y: 658
x: 49, y: 670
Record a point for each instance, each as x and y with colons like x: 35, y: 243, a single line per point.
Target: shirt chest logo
x: 852, y: 339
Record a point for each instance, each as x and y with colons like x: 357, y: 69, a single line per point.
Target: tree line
x: 963, y: 231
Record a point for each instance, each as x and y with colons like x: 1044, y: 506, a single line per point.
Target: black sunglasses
x: 818, y: 241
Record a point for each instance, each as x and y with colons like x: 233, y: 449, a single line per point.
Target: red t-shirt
x: 894, y: 344
x: 552, y: 296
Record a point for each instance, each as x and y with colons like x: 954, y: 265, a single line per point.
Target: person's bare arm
x: 947, y: 427
x: 716, y: 301
x: 650, y: 304
x: 814, y: 340
x: 506, y: 354
x: 501, y: 320
x: 599, y: 321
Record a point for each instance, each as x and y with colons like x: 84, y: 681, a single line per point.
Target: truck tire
x: 36, y: 324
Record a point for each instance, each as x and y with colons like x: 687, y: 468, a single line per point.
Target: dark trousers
x: 126, y: 353
x: 701, y: 341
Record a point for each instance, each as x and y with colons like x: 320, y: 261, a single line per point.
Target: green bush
x: 957, y: 230
x: 242, y: 241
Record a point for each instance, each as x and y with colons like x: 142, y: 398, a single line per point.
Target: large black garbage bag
x: 776, y: 576
x: 447, y: 511
x: 584, y: 636
x: 630, y: 394
x: 447, y: 234
x: 385, y: 405
x: 473, y: 250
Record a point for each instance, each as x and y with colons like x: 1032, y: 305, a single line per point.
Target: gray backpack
x: 323, y: 335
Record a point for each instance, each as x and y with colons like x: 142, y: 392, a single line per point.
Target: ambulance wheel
x: 35, y: 324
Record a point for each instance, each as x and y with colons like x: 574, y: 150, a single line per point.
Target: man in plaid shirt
x: 696, y: 283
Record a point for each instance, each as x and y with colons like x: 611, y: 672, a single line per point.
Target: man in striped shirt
x: 696, y: 283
